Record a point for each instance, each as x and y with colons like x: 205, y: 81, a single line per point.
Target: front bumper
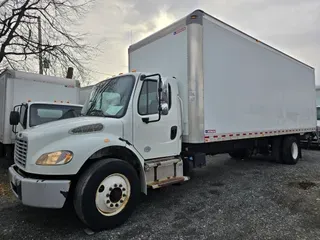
x: 38, y: 192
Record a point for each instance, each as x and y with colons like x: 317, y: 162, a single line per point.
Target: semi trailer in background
x: 196, y: 87
x: 28, y: 100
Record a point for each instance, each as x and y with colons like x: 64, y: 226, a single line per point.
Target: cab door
x: 160, y: 137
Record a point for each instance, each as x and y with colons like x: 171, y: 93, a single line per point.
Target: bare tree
x: 58, y: 45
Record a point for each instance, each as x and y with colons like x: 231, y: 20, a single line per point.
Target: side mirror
x: 164, y: 108
x: 14, y: 118
x: 164, y: 99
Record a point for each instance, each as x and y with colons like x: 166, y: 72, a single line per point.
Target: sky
x: 292, y: 26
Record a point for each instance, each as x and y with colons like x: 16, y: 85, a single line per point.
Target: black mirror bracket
x: 142, y: 78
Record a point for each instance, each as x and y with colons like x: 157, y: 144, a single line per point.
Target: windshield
x: 110, y: 98
x: 318, y: 113
x: 44, y: 113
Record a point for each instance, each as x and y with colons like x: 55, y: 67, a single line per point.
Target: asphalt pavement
x: 228, y: 199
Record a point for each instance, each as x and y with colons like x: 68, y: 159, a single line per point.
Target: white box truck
x: 313, y: 139
x: 84, y: 94
x: 28, y: 99
x: 204, y: 88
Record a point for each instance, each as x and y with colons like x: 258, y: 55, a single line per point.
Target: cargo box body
x: 21, y: 87
x: 84, y: 94
x: 232, y: 85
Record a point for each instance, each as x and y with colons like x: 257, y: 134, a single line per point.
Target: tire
x: 112, y: 174
x: 290, y: 150
x: 241, y: 153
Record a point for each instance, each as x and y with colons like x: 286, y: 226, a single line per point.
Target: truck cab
x: 126, y: 121
x: 134, y: 102
x: 31, y: 114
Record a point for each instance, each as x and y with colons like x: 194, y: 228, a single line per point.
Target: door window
x: 148, y: 100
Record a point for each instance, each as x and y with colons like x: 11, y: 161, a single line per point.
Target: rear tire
x: 107, y: 194
x: 290, y: 150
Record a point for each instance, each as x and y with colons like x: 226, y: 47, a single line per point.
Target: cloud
x: 291, y: 26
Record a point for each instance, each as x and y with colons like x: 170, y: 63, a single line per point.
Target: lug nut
x: 120, y: 185
x: 121, y: 201
x: 108, y: 195
x: 110, y: 189
x: 123, y: 189
x: 117, y: 205
x: 108, y: 201
x: 123, y: 195
x: 115, y: 185
x: 111, y: 205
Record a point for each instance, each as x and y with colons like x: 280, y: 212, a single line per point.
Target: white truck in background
x: 313, y: 139
x: 84, y: 94
x: 318, y: 113
x: 28, y: 99
x: 204, y: 88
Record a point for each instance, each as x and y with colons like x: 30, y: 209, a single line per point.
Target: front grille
x: 20, y: 152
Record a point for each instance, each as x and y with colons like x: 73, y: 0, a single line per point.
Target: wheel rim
x: 294, y: 150
x: 113, y: 194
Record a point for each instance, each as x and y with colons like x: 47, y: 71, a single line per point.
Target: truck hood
x: 65, y: 124
x: 45, y: 134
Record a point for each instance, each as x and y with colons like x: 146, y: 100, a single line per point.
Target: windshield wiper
x: 95, y: 112
x: 95, y: 97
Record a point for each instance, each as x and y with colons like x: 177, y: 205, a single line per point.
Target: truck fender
x: 142, y: 176
x: 115, y: 141
x: 86, y: 149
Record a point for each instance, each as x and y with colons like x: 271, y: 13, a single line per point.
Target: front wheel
x: 106, y: 194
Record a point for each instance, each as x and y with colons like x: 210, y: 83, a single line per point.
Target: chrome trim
x: 195, y: 82
x: 21, y: 151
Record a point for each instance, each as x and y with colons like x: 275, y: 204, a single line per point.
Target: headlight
x: 55, y: 158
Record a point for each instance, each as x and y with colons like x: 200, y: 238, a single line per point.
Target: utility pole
x: 39, y: 45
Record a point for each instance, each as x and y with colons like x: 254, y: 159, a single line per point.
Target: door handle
x: 145, y: 120
x: 173, y: 133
